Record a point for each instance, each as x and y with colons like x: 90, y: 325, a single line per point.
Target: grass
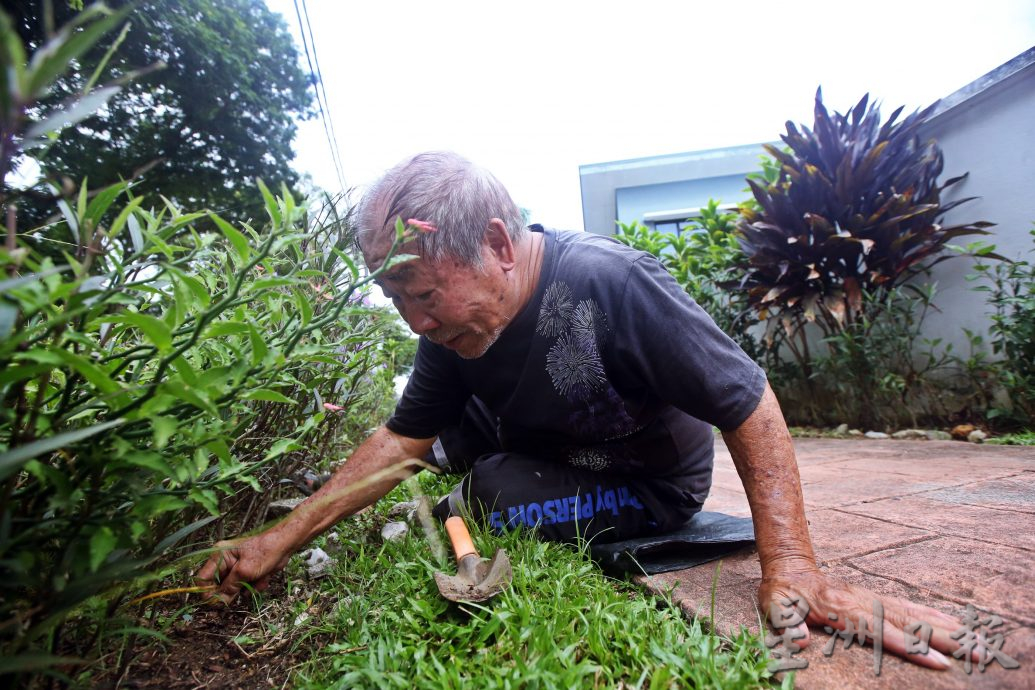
x: 1023, y: 438
x: 378, y: 621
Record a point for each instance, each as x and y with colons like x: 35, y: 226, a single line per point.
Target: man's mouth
x: 448, y: 339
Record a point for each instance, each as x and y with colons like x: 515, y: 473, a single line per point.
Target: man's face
x: 454, y: 305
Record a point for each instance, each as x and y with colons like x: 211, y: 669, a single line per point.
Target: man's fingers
x: 805, y: 636
x: 894, y: 641
x: 942, y: 625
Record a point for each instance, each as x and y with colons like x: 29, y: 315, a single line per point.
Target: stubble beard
x: 489, y: 340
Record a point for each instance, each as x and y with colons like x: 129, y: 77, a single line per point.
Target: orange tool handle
x: 460, y: 537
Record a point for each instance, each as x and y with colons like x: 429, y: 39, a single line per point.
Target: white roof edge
x: 674, y: 158
x: 983, y: 83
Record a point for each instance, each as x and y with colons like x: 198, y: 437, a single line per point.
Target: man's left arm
x: 764, y: 456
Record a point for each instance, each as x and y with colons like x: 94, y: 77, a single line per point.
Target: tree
x: 219, y: 114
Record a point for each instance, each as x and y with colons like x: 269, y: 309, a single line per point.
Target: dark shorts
x: 564, y: 503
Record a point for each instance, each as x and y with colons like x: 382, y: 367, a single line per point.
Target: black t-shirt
x: 610, y: 366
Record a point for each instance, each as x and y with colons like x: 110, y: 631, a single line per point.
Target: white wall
x: 988, y: 130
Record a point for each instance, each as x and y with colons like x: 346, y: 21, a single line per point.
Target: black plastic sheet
x: 707, y: 537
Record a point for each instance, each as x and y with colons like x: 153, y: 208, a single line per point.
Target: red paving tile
x: 995, y: 578
x: 1015, y: 493
x: 938, y: 523
x: 1009, y: 528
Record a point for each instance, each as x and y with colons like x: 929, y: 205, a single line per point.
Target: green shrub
x: 154, y: 378
x: 703, y: 258
x: 1010, y: 288
x: 853, y: 215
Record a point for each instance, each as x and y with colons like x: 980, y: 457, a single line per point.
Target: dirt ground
x: 203, y: 653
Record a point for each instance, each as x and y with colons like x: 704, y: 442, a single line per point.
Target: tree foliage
x: 219, y: 114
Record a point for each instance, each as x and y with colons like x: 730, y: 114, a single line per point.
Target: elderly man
x: 552, y: 365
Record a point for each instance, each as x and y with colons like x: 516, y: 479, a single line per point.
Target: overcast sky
x: 531, y: 89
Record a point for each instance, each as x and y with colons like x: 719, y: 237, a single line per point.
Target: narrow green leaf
x: 264, y: 283
x: 180, y: 534
x: 149, y: 460
x: 185, y: 370
x: 222, y: 328
x: 239, y: 242
x: 259, y: 349
x: 21, y: 373
x: 56, y: 56
x: 268, y: 395
x: 135, y: 235
x: 199, y: 292
x: 164, y: 428
x: 304, y: 307
x: 156, y: 330
x: 179, y: 390
x: 284, y: 445
x: 124, y: 214
x: 206, y: 498
x: 12, y: 459
x: 12, y: 283
x: 347, y: 260
x: 8, y: 317
x: 102, y: 543
x: 272, y: 207
x: 87, y: 369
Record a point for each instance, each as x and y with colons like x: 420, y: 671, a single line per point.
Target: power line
x: 322, y: 103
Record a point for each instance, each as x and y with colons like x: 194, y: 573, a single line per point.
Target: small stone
x: 333, y: 543
x: 284, y: 506
x: 841, y: 429
x: 876, y: 435
x: 317, y: 563
x: 937, y: 435
x: 394, y: 531
x: 961, y: 431
x: 403, y: 511
x: 855, y: 432
x: 977, y: 436
x: 910, y: 435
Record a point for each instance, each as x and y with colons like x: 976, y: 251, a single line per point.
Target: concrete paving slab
x: 1015, y: 493
x: 922, y: 511
x: 828, y: 486
x: 837, y: 535
x: 939, y: 523
x: 994, y: 578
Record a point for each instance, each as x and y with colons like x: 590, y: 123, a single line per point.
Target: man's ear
x: 498, y: 243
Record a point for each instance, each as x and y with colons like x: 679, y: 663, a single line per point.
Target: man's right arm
x: 376, y: 467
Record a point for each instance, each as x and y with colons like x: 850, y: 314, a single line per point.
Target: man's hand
x: 763, y: 454
x: 377, y: 466
x: 251, y: 560
x: 825, y: 596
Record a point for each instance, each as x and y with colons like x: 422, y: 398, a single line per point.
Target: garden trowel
x: 476, y: 579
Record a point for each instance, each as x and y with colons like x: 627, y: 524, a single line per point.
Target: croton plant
x: 856, y: 209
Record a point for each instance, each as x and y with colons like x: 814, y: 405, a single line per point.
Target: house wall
x: 986, y: 129
x: 633, y: 202
x: 625, y: 190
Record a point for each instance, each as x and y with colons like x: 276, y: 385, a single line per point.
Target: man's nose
x: 420, y: 322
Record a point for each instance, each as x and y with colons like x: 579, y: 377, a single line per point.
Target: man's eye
x: 425, y: 296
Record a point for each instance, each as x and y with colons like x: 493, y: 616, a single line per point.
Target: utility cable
x: 321, y: 96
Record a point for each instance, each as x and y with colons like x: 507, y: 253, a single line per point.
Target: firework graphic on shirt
x: 574, y: 366
x: 588, y: 321
x: 555, y: 313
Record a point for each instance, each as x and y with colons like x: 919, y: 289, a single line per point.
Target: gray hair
x: 448, y: 191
